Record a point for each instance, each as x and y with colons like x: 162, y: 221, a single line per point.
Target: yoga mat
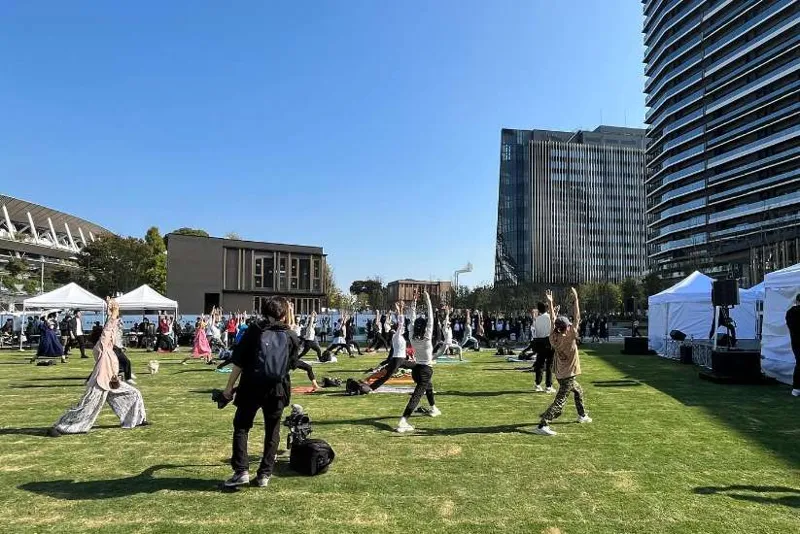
x: 303, y: 390
x: 451, y: 360
x: 224, y: 370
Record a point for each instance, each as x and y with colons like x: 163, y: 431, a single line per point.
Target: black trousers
x: 349, y: 342
x: 379, y: 341
x: 423, y: 378
x: 242, y: 423
x: 544, y: 361
x: 311, y: 344
x: 80, y: 341
x: 340, y: 346
x: 124, y: 363
x: 796, y: 377
x: 393, y: 365
x: 482, y: 339
x: 530, y: 348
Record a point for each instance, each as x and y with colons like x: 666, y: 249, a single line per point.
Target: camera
x: 299, y: 425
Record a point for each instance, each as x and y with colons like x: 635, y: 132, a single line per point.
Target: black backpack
x: 354, y: 387
x: 311, y: 457
x: 273, y: 356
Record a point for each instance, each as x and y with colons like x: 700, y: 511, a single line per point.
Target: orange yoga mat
x: 399, y: 380
x: 303, y: 390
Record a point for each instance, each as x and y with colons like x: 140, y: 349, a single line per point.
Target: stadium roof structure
x: 27, y: 228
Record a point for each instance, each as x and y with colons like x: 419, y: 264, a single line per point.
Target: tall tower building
x: 571, y: 206
x: 723, y: 92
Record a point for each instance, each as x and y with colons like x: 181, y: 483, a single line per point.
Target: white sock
x: 403, y: 421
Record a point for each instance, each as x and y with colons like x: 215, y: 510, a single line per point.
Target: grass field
x: 666, y: 453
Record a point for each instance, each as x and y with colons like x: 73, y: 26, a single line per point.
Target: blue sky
x: 368, y: 127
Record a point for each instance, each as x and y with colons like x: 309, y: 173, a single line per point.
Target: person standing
x: 398, y: 357
x: 76, y: 333
x: 793, y: 324
x: 564, y: 340
x: 104, y: 386
x: 49, y: 341
x: 310, y: 337
x: 422, y: 373
x: 447, y: 343
x: 468, y: 339
x: 544, y: 352
x: 262, y: 361
x: 231, y: 327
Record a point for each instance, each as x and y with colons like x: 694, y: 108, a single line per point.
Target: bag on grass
x: 328, y: 382
x: 311, y: 457
x: 354, y: 387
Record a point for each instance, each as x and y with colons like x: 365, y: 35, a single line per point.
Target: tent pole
x: 716, y: 323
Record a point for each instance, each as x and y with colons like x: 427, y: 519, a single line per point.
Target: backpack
x: 311, y: 457
x: 328, y: 382
x: 273, y: 356
x: 354, y: 387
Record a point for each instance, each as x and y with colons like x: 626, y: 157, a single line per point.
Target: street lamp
x: 466, y: 269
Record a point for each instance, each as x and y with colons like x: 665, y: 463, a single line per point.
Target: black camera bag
x: 311, y: 457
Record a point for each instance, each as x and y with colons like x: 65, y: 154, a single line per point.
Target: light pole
x: 466, y: 269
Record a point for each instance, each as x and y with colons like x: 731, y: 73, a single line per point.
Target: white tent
x: 781, y: 288
x: 687, y: 307
x: 145, y: 298
x: 71, y: 296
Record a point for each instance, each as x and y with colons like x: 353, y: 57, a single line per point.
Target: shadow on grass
x: 208, y: 369
x: 736, y: 406
x: 55, y: 378
x: 524, y: 369
x: 615, y: 383
x: 769, y: 494
x: 481, y: 393
x: 41, y: 431
x: 499, y: 429
x: 144, y: 482
x: 39, y: 386
x: 375, y: 422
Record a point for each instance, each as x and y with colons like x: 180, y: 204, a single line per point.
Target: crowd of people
x: 264, y: 349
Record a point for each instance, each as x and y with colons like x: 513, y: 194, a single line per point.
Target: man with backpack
x: 268, y: 351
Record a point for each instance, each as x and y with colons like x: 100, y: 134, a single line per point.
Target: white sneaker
x: 544, y: 431
x: 133, y: 376
x: 796, y: 393
x: 403, y: 426
x: 539, y: 389
x: 584, y: 419
x: 434, y: 412
x: 550, y: 390
x: 131, y: 382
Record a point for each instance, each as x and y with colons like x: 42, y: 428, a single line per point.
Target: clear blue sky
x: 343, y: 124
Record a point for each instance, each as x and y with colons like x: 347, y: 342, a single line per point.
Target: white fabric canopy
x: 754, y: 293
x: 145, y: 298
x: 687, y: 307
x: 71, y: 296
x: 781, y: 288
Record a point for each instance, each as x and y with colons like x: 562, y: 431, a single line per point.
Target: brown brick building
x: 404, y: 290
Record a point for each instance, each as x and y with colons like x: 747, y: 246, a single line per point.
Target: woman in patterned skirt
x: 104, y: 386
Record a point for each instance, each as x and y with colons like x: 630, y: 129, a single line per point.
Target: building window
x: 305, y: 274
x: 295, y: 270
x: 282, y: 273
x: 317, y: 280
x: 264, y: 272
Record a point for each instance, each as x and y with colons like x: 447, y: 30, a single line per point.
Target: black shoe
x: 84, y: 357
x: 53, y: 432
x: 145, y: 423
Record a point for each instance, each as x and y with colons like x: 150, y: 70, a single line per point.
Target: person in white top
x: 310, y: 336
x: 340, y: 339
x: 468, y: 339
x: 448, y: 337
x: 544, y: 352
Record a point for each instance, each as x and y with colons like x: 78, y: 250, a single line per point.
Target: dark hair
x: 275, y: 308
x: 541, y: 307
x: 419, y: 327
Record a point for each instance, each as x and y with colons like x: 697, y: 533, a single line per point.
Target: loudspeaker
x: 687, y: 354
x: 725, y: 293
x: 741, y: 365
x: 677, y: 335
x: 636, y: 345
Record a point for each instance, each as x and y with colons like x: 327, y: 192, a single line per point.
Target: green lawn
x: 666, y: 453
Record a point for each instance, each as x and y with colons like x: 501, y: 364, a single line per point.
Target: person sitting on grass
x: 564, y: 341
x: 104, y: 386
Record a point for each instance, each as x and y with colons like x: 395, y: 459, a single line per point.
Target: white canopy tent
x: 145, y: 298
x: 687, y: 307
x: 781, y: 288
x: 70, y: 296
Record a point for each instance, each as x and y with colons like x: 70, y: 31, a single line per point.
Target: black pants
x: 636, y: 332
x: 304, y: 367
x: 353, y: 343
x: 124, y: 363
x: 242, y: 423
x: 482, y: 339
x: 544, y: 361
x: 77, y: 340
x: 796, y: 377
x: 530, y: 348
x: 423, y: 378
x: 340, y: 346
x: 311, y: 344
x: 393, y: 365
x: 379, y: 341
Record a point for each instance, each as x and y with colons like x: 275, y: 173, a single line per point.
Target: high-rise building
x: 723, y: 92
x: 571, y: 206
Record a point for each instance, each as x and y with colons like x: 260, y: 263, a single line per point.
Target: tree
x: 114, y: 264
x: 233, y: 235
x: 600, y: 297
x: 370, y: 291
x: 191, y: 231
x: 157, y: 272
x: 62, y: 277
x: 332, y: 293
x: 652, y: 284
x: 16, y: 266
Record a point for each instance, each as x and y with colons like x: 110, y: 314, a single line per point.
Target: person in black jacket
x: 793, y: 324
x: 257, y: 392
x: 76, y: 335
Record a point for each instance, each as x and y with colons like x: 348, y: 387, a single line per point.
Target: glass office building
x: 571, y: 206
x: 723, y: 96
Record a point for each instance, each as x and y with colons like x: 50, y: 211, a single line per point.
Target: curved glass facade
x: 723, y: 172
